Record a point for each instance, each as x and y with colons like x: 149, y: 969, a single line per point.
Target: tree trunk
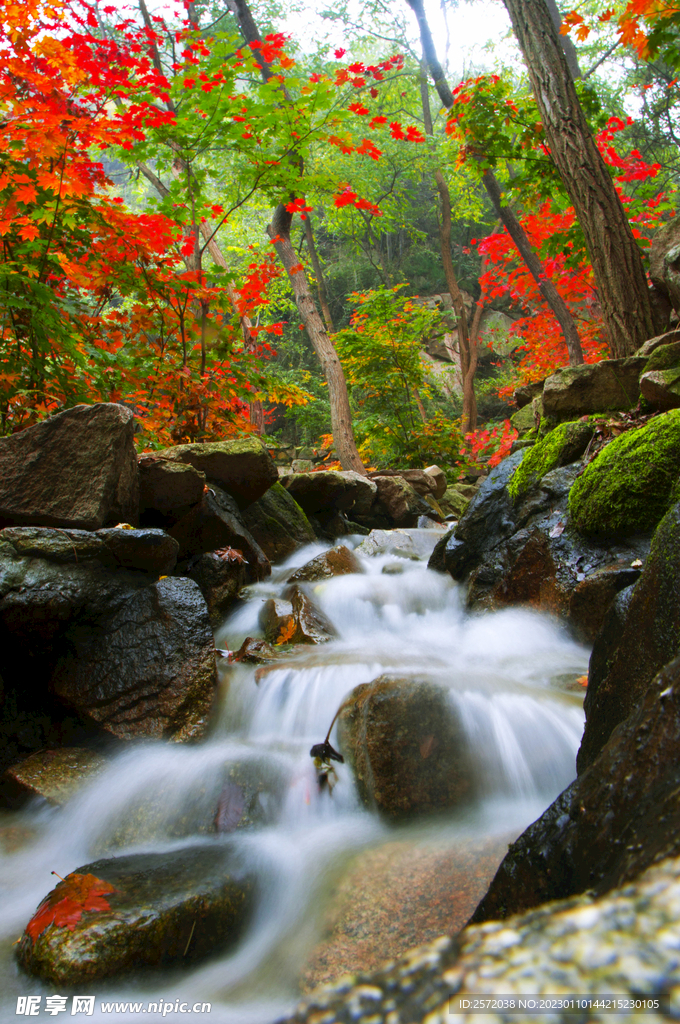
x: 341, y: 417
x: 466, y: 349
x: 504, y: 213
x: 617, y: 264
x: 318, y: 270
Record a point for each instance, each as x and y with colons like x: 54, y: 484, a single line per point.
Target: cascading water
x: 499, y: 669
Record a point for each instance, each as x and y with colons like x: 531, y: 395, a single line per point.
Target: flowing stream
x: 505, y: 672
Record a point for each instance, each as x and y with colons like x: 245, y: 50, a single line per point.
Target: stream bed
x: 510, y: 675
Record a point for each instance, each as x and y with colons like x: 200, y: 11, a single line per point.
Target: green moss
x: 632, y: 482
x: 561, y: 446
x: 665, y: 357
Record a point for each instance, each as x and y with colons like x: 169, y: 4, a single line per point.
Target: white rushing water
x: 500, y: 670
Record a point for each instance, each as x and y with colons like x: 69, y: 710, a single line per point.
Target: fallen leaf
x: 68, y: 900
x: 557, y: 530
x: 231, y: 555
x: 637, y: 564
x: 582, y: 680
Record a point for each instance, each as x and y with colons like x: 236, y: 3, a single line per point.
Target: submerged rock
x: 76, y: 469
x: 156, y: 910
x: 255, y: 651
x: 406, y: 746
x: 243, y: 466
x: 337, y: 561
x: 278, y: 524
x: 620, y: 816
x: 53, y: 775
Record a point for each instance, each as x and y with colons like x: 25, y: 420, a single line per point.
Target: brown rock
x: 295, y: 621
x: 593, y: 387
x: 592, y: 597
x: 439, y: 477
x: 54, y: 775
x: 168, y: 489
x: 255, y: 651
x: 406, y: 747
x: 618, y: 818
x: 76, y: 469
x: 337, y: 561
x: 214, y: 524
x: 399, y: 502
x: 329, y: 490
x: 243, y: 466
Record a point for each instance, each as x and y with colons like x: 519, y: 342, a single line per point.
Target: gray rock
x: 214, y: 524
x: 661, y: 388
x: 243, y: 466
x: 664, y: 258
x: 155, y: 910
x: 669, y: 338
x: 330, y: 491
x: 150, y: 550
x: 76, y: 469
x: 525, y: 393
x: 167, y: 489
x: 593, y: 387
x: 220, y: 578
x: 62, y: 546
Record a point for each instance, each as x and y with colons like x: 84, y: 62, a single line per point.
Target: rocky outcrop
x: 406, y: 747
x: 624, y: 943
x: 143, y: 914
x: 337, y: 561
x: 51, y: 775
x: 606, y: 386
x: 242, y: 466
x: 640, y: 635
x: 76, y: 469
x: 619, y: 817
x: 278, y: 524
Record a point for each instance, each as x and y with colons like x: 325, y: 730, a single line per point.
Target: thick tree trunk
x: 318, y: 270
x: 504, y: 213
x: 617, y: 264
x: 341, y: 417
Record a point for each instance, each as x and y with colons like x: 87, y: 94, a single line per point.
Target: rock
x: 624, y: 942
x: 629, y: 485
x: 295, y: 620
x: 592, y: 597
x: 158, y: 909
x: 54, y: 775
x: 665, y: 356
x: 661, y: 339
x: 151, y: 550
x: 145, y: 669
x: 523, y: 420
x: 330, y: 491
x: 243, y: 466
x: 76, y: 469
x: 278, y: 524
x: 215, y: 523
x: 66, y: 547
x: 406, y: 747
x: 454, y: 501
x: 663, y: 260
x: 167, y: 490
x: 255, y: 651
x: 593, y: 387
x: 661, y: 388
x: 412, y: 544
x: 220, y: 578
x: 619, y: 817
x: 430, y: 482
x: 399, y: 502
x: 439, y: 477
x: 562, y: 446
x: 302, y: 466
x: 639, y: 639
x: 337, y: 561
x: 525, y: 393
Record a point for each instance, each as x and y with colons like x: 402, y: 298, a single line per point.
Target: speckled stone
x: 626, y: 942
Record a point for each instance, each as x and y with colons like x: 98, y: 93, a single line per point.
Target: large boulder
x: 146, y: 669
x: 624, y: 943
x: 330, y: 491
x: 640, y: 635
x: 167, y: 489
x: 146, y: 910
x: 399, y: 502
x: 278, y: 523
x: 243, y: 466
x: 76, y: 469
x: 562, y: 446
x: 620, y: 816
x: 337, y: 561
x: 630, y: 483
x: 151, y: 550
x: 51, y: 775
x: 215, y: 524
x: 609, y: 385
x: 406, y: 747
x: 220, y: 576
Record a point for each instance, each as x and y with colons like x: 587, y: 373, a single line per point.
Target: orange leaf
x: 286, y: 632
x: 65, y: 904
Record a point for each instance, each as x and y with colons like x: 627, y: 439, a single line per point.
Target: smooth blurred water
x: 500, y: 670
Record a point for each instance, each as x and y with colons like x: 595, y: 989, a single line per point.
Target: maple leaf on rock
x: 65, y: 905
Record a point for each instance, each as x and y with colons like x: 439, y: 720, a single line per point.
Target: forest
x: 234, y: 229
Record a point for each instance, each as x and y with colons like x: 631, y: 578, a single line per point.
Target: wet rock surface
x: 242, y: 466
x: 625, y: 942
x: 278, y: 524
x: 399, y: 502
x: 167, y: 489
x: 640, y: 635
x: 337, y: 561
x: 53, y: 775
x: 295, y: 620
x: 215, y: 523
x: 167, y: 908
x: 76, y: 469
x: 406, y: 747
x: 220, y: 578
x: 151, y: 550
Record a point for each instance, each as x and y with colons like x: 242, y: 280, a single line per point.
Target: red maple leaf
x: 68, y: 900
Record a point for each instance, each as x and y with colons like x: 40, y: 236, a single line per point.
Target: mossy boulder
x: 563, y: 445
x: 455, y: 500
x: 661, y: 388
x: 607, y: 386
x: 630, y: 485
x: 523, y: 420
x: 161, y: 909
x: 664, y: 357
x: 278, y: 523
x: 243, y: 466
